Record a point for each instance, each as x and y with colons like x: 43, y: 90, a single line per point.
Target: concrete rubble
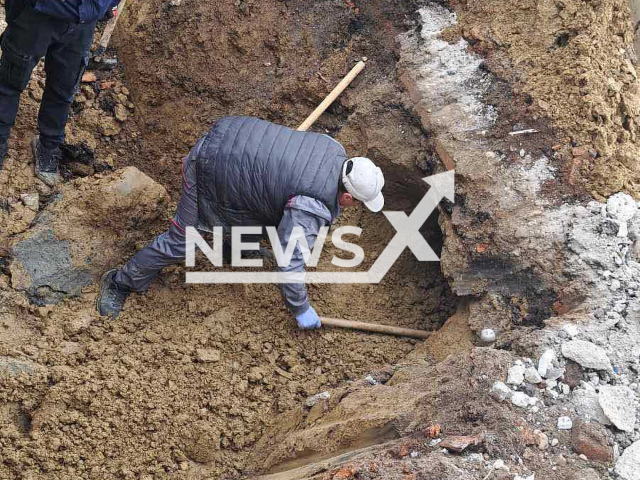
x: 628, y: 465
x: 587, y: 354
x: 619, y: 404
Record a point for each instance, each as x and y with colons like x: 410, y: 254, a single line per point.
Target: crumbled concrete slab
x: 588, y: 407
x: 587, y: 355
x: 628, y: 465
x: 619, y: 405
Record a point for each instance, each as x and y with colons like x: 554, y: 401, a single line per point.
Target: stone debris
x: 542, y: 440
x: 530, y: 477
x: 516, y: 374
x: 589, y: 439
x: 312, y: 401
x: 370, y: 380
x: 500, y: 465
x: 460, y: 443
x: 628, y: 465
x: 531, y: 375
x: 619, y: 405
x: 475, y: 458
x: 587, y: 355
x: 31, y: 200
x: 12, y: 367
x: 546, y: 362
x: 621, y: 208
x: 521, y: 399
x: 588, y: 407
x: 500, y: 391
x: 565, y: 423
x: 570, y: 330
x: 488, y: 335
x: 554, y: 374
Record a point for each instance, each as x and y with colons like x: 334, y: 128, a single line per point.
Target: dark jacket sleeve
x: 311, y: 215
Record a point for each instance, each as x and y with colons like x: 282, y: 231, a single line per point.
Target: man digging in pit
x: 250, y: 172
x: 61, y: 32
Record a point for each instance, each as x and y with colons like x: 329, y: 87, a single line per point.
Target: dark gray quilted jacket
x: 248, y: 169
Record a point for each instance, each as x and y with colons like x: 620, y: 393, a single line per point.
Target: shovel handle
x: 346, y: 81
x: 374, y: 327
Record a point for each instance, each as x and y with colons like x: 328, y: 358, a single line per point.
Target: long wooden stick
x: 374, y: 327
x: 346, y: 81
x: 108, y: 30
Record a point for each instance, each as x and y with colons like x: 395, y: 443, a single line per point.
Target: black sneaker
x: 3, y: 153
x: 46, y: 162
x: 112, y: 296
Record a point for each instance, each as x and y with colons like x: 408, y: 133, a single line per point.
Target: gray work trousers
x: 168, y: 248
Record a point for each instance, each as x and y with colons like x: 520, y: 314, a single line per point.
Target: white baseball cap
x: 364, y: 180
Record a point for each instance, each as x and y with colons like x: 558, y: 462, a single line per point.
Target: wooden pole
x: 374, y: 327
x: 108, y: 30
x: 346, y: 81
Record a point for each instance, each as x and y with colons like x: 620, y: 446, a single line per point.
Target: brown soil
x: 184, y: 384
x: 573, y: 62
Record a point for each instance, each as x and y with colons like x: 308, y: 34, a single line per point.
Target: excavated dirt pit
x: 188, y: 379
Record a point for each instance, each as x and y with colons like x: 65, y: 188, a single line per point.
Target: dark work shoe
x: 3, y: 153
x: 46, y: 162
x: 112, y: 296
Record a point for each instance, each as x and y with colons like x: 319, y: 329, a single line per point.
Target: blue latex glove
x: 308, y: 320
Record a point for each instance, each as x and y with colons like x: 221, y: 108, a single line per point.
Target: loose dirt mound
x: 574, y: 61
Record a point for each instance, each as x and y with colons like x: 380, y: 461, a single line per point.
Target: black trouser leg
x: 64, y: 64
x: 24, y: 42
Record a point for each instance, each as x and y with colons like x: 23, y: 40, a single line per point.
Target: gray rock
x: 531, y: 375
x: 530, y: 477
x: 619, y: 405
x: 565, y: 423
x: 31, y: 200
x: 546, y: 362
x: 554, y: 374
x: 43, y: 263
x: 500, y: 391
x: 522, y: 400
x: 516, y: 374
x: 588, y: 407
x: 621, y: 207
x: 628, y: 465
x: 488, y: 335
x: 12, y: 367
x: 570, y: 329
x: 587, y: 355
x: 311, y: 401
